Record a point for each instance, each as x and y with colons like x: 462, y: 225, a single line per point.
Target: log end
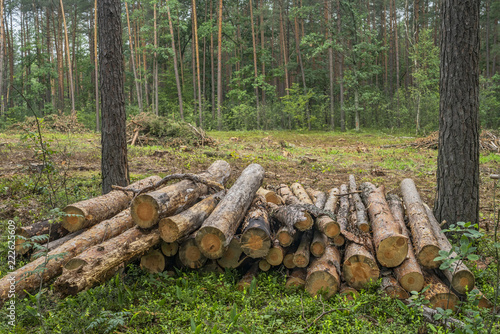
x: 413, y: 281
x: 210, y: 241
x: 231, y: 256
x: 364, y: 227
x: 255, y: 243
x: 317, y: 249
x: 359, y: 271
x: 348, y: 293
x: 191, y: 256
x: 427, y: 255
x: 153, y: 262
x: 463, y: 281
x: 305, y: 224
x: 321, y: 282
x: 74, y: 218
x: 295, y: 282
x: 275, y: 256
x: 392, y: 251
x: 300, y: 260
x: 169, y: 248
x: 264, y: 265
x: 271, y: 197
x: 332, y: 229
x: 288, y: 261
x: 284, y: 238
x: 75, y: 264
x: 339, y: 240
x: 144, y: 211
x: 169, y: 231
x: 444, y: 300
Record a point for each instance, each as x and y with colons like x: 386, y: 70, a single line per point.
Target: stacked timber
x: 340, y: 241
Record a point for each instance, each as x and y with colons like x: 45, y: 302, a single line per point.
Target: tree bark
x: 341, y: 72
x: 47, y: 247
x: 195, y: 33
x: 255, y: 63
x: 96, y: 73
x: 391, y: 288
x: 319, y: 243
x: 256, y: 235
x: 42, y: 227
x: 458, y: 150
x: 176, y: 71
x: 299, y: 191
x: 70, y: 71
x: 219, y: 70
x: 217, y: 231
x: 136, y: 81
x: 323, y: 274
x: 325, y: 223
x: 361, y: 216
x: 148, y: 209
x: 317, y: 197
x: 302, y: 254
x: 2, y: 52
x: 270, y: 196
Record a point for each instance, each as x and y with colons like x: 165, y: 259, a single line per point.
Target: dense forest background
x: 240, y: 65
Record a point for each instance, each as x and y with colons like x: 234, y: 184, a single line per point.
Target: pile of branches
x: 54, y: 122
x: 149, y: 129
x: 327, y: 243
x: 489, y: 141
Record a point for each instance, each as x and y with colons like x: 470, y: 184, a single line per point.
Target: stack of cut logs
x: 335, y: 242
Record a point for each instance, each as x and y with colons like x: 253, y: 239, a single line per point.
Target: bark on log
x: 391, y: 247
x: 343, y: 209
x: 218, y: 229
x: 360, y: 267
x: 287, y: 195
x: 94, y: 235
x: 99, y: 263
x: 296, y: 278
x: 348, y: 292
x: 323, y: 275
x: 391, y: 287
x: 361, y: 217
x: 264, y: 265
x: 231, y: 257
x: 148, y: 209
x: 408, y: 273
x: 169, y: 248
x: 292, y: 217
x: 90, y: 212
x: 256, y: 235
x: 299, y: 191
x: 178, y: 226
x: 302, y: 255
x: 190, y: 254
x: 42, y: 227
x: 425, y: 243
x: 54, y: 244
x: 276, y: 254
x: 317, y: 197
x: 460, y: 277
x: 438, y: 293
x: 247, y: 279
x: 270, y: 196
x: 153, y: 261
x: 325, y: 223
x: 318, y: 244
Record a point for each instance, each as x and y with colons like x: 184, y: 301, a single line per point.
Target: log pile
x: 340, y: 241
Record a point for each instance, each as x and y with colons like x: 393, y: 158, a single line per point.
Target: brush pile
x: 489, y: 141
x: 55, y: 122
x: 335, y: 242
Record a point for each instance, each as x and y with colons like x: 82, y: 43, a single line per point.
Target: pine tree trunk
x: 54, y: 230
x: 195, y: 33
x: 70, y: 72
x: 156, y: 62
x: 341, y: 72
x: 137, y: 88
x: 212, y: 69
x: 361, y: 217
x: 96, y: 72
x: 317, y: 197
x: 2, y: 52
x: 255, y: 63
x: 176, y: 71
x: 219, y: 70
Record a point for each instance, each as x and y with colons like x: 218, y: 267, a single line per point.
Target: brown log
x: 169, y: 248
x: 288, y: 260
x: 323, y: 275
x: 90, y: 212
x: 339, y: 240
x: 317, y: 197
x: 293, y: 217
x: 325, y: 223
x: 360, y: 267
x: 438, y: 293
x: 460, y: 277
x: 318, y: 244
x: 296, y: 278
x: 218, y: 229
x: 276, y: 254
x: 287, y: 195
x: 99, y: 263
x: 361, y: 217
x: 153, y: 261
x: 247, y: 279
x: 391, y: 247
x: 212, y: 267
x: 483, y: 301
x: 47, y: 247
x: 264, y: 265
x: 94, y: 235
x: 343, y: 209
x: 408, y: 273
x: 232, y: 255
x: 348, y: 292
x: 391, y: 287
x: 148, y: 209
x: 53, y: 229
x: 270, y: 196
x: 299, y: 191
x: 302, y: 254
x: 178, y: 226
x: 190, y: 254
x: 256, y: 235
x: 425, y: 243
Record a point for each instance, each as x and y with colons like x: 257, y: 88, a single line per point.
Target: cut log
x: 287, y: 195
x: 153, y: 261
x: 391, y: 287
x: 231, y: 257
x: 323, y: 275
x: 460, y: 277
x: 99, y: 263
x: 256, y: 235
x: 178, y: 226
x: 293, y: 217
x: 276, y: 254
x: 425, y: 243
x: 483, y: 301
x: 361, y: 217
x: 264, y: 265
x: 27, y: 280
x: 190, y: 254
x: 54, y: 244
x: 296, y: 278
x: 148, y: 209
x: 325, y: 223
x: 302, y: 255
x: 318, y: 244
x: 288, y: 260
x: 92, y: 211
x: 169, y: 248
x: 347, y: 292
x: 299, y: 191
x: 338, y: 240
x: 317, y: 197
x: 218, y: 229
x: 270, y: 196
x: 247, y: 279
x: 343, y: 209
x: 54, y: 230
x: 360, y: 267
x: 212, y: 267
x: 438, y: 293
x: 408, y: 273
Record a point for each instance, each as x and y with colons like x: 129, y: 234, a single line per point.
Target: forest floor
x: 321, y: 160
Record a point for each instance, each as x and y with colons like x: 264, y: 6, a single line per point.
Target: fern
x: 109, y: 321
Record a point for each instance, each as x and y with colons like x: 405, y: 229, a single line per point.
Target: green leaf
x: 473, y: 257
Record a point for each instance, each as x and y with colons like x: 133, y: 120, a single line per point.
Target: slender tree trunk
x: 219, y: 70
x: 328, y: 6
x: 297, y: 48
x: 181, y: 58
x: 255, y: 64
x: 495, y: 41
x: 132, y: 60
x: 283, y: 40
x: 60, y: 61
x: 341, y: 72
x: 96, y: 69
x: 193, y: 72
x: 10, y: 41
x: 156, y: 62
x: 407, y: 45
x: 396, y: 42
x: 70, y: 72
x: 195, y: 32
x: 177, y: 80
x: 74, y: 69
x: 49, y: 95
x: 487, y: 42
x: 384, y: 29
x: 2, y: 46
x: 205, y: 57
x: 262, y: 47
x: 212, y: 68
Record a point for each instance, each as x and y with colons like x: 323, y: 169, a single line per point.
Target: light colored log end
x: 153, y: 262
x: 359, y: 271
x: 211, y: 241
x: 392, y: 251
x: 145, y: 211
x: 169, y: 231
x: 169, y: 248
x: 74, y: 218
x: 339, y: 240
x: 463, y: 281
x: 321, y: 282
x: 264, y: 265
x: 317, y: 249
x: 413, y: 281
x: 288, y: 261
x: 255, y: 243
x: 305, y: 224
x: 284, y: 238
x: 427, y: 255
x: 190, y: 255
